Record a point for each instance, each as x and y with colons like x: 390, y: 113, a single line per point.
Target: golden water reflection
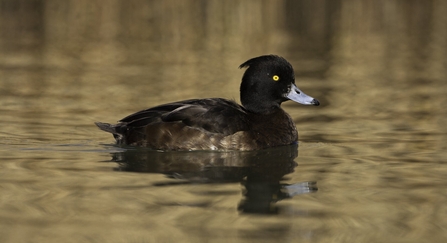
x: 260, y: 172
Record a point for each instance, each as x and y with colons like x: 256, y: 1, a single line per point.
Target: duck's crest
x: 260, y: 59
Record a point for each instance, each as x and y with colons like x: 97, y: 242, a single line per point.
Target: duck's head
x: 268, y: 81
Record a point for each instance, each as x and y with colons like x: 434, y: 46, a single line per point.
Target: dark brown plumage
x: 221, y: 124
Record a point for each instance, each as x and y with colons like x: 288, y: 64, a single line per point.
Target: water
x: 371, y: 162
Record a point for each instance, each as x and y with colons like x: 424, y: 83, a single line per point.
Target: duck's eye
x: 276, y: 77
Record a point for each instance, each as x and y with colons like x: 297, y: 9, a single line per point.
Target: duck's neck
x: 258, y: 106
x: 261, y: 109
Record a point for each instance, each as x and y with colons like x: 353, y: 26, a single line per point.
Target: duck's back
x: 187, y: 125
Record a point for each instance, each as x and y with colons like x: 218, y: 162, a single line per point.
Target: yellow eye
x: 276, y: 77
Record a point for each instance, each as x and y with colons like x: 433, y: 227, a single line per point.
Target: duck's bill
x: 297, y: 95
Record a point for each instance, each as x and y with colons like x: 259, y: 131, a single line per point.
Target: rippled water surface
x: 371, y: 165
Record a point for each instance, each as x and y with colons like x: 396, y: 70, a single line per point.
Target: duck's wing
x: 214, y: 115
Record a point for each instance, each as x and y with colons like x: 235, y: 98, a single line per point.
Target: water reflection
x: 261, y: 173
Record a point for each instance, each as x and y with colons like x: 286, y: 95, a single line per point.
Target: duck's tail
x: 106, y: 127
x: 113, y: 129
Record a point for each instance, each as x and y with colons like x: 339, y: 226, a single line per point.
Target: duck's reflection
x: 260, y: 172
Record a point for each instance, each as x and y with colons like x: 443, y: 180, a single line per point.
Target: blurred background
x: 99, y: 56
x: 376, y: 145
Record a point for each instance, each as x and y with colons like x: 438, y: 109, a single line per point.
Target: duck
x: 222, y: 124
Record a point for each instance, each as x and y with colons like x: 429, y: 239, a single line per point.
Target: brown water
x: 376, y: 148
